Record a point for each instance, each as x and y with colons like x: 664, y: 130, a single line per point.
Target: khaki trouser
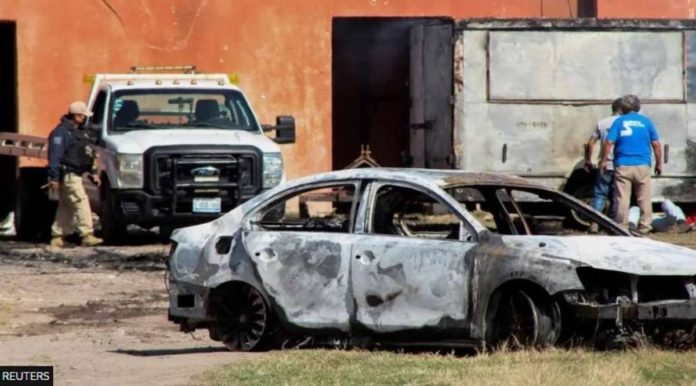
x: 636, y: 180
x: 73, y: 208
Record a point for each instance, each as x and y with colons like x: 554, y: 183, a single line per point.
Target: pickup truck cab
x: 177, y: 149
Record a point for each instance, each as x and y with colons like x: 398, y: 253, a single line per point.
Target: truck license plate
x: 207, y: 205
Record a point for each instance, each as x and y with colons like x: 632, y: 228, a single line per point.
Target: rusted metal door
x: 431, y: 90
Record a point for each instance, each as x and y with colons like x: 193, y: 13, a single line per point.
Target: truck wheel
x: 7, y: 200
x: 113, y: 229
x: 34, y: 212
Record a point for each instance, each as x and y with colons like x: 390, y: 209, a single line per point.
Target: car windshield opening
x: 527, y: 211
x: 176, y: 108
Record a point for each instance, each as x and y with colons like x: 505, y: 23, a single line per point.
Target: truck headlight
x: 129, y: 171
x: 272, y: 169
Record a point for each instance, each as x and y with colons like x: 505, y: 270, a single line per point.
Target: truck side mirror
x: 285, y: 129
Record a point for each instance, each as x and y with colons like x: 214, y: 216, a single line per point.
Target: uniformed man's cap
x: 79, y: 107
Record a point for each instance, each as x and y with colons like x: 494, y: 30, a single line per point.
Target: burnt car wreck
x: 423, y: 258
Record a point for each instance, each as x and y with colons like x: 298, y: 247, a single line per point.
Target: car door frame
x: 301, y: 312
x: 446, y: 326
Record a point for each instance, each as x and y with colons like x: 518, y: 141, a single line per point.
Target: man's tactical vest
x: 78, y: 156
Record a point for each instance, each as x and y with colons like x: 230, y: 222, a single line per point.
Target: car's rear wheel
x: 243, y: 318
x: 520, y: 319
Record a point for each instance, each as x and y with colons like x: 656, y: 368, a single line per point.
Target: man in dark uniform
x: 69, y: 157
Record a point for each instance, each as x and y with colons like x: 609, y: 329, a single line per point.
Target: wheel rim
x: 242, y: 319
x: 518, y: 320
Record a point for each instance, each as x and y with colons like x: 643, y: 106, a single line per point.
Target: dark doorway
x: 371, y: 76
x: 8, y: 110
x: 587, y: 8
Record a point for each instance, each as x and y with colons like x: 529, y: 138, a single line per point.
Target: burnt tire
x: 34, y: 212
x: 522, y: 319
x: 243, y: 319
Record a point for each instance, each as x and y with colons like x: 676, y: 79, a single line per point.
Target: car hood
x: 639, y: 256
x: 138, y: 141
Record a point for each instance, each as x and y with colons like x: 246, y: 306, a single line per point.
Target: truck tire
x: 113, y: 229
x: 34, y: 212
x: 7, y: 200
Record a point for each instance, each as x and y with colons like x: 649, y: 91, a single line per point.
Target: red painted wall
x: 280, y: 49
x: 646, y: 9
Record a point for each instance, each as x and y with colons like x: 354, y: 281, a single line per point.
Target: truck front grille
x: 184, y: 173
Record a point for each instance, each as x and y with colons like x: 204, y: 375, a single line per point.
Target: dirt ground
x: 99, y: 315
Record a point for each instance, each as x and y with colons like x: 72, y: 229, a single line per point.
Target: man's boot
x: 90, y: 241
x: 57, y: 242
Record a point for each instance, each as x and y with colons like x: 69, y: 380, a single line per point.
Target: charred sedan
x: 422, y: 257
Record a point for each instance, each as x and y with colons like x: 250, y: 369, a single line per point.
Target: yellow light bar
x: 233, y: 78
x: 88, y: 78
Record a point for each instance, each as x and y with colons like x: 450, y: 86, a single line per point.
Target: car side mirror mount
x: 487, y: 236
x: 95, y: 130
x: 284, y: 128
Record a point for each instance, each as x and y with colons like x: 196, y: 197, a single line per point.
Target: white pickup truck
x: 178, y: 148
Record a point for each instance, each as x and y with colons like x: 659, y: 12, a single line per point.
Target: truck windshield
x: 177, y: 108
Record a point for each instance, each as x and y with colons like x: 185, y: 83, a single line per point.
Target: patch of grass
x: 551, y: 367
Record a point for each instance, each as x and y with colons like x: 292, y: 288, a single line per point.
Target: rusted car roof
x: 438, y: 177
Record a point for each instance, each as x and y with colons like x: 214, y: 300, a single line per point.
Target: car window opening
x: 407, y: 212
x: 517, y: 211
x: 324, y: 209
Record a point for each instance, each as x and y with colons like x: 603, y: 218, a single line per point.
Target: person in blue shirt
x: 633, y: 139
x: 604, y: 185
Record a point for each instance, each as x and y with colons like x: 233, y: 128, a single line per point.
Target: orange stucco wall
x: 646, y: 9
x: 280, y: 49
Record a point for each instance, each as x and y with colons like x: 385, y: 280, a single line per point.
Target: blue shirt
x: 632, y: 135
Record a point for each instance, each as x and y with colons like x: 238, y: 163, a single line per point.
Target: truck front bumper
x: 142, y: 208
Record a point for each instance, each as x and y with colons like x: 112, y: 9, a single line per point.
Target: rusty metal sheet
x: 23, y: 145
x: 582, y: 65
